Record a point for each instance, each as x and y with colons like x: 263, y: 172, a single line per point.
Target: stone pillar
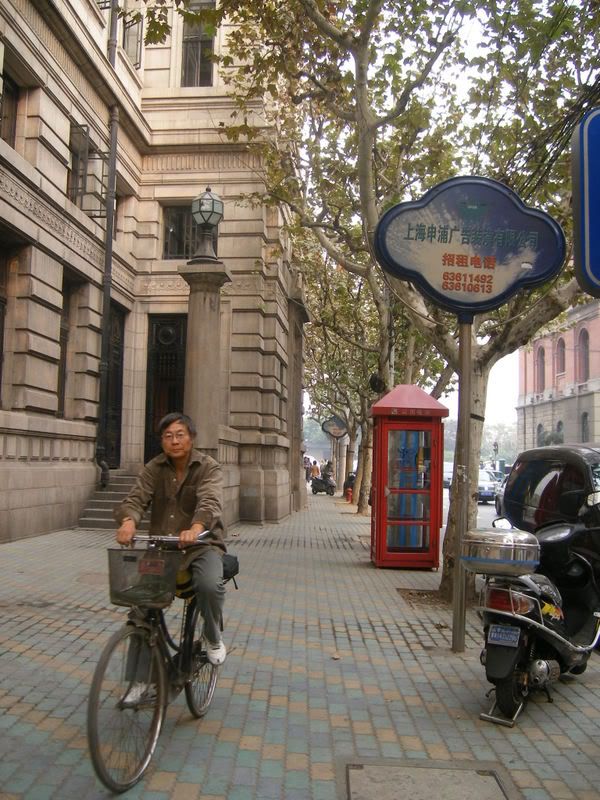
x: 203, y: 347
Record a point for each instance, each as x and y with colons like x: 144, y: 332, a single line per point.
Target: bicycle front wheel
x: 199, y: 690
x: 126, y: 708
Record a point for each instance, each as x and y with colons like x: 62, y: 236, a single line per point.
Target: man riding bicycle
x: 185, y: 489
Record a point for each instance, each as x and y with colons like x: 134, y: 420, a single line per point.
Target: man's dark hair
x: 176, y: 416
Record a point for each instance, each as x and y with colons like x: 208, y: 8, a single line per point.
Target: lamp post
x: 205, y: 275
x: 207, y: 211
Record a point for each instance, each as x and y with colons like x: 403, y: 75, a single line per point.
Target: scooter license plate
x: 507, y: 635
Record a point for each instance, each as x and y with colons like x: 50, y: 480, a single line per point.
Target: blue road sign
x: 469, y: 244
x: 586, y: 201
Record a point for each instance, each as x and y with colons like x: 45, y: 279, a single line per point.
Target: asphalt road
x: 485, y: 512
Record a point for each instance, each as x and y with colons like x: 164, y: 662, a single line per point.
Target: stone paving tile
x: 328, y: 663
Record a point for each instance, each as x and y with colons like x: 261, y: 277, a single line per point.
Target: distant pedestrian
x: 307, y: 468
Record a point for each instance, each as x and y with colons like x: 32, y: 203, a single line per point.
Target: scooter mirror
x: 502, y: 523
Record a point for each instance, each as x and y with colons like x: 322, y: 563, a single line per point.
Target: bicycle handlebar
x: 141, y: 537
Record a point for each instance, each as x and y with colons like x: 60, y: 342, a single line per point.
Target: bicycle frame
x: 177, y: 656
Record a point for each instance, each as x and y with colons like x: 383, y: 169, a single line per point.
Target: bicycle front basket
x: 143, y: 578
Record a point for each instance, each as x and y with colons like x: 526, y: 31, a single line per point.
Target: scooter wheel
x: 314, y: 491
x: 509, y: 695
x: 579, y: 669
x: 331, y: 492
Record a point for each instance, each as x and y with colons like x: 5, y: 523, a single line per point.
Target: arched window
x: 560, y: 356
x: 585, y: 427
x: 559, y: 436
x: 540, y: 370
x: 539, y: 439
x: 583, y: 356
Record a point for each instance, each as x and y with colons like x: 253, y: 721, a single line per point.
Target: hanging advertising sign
x: 469, y: 244
x: 335, y: 427
x: 585, y: 164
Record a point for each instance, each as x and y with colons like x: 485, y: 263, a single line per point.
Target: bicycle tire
x: 199, y: 690
x: 122, y: 735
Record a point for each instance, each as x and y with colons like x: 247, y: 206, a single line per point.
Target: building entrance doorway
x: 165, y: 374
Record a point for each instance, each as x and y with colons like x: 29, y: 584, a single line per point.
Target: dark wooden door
x: 165, y: 374
x: 114, y: 401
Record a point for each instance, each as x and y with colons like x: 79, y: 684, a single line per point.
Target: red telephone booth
x: 406, y: 499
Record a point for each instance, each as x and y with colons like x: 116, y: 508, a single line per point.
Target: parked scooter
x: 324, y: 483
x: 540, y: 606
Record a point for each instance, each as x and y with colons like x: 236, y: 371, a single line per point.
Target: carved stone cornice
x: 200, y: 162
x: 15, y: 193
x: 122, y: 277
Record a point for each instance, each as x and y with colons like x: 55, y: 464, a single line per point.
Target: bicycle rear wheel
x: 126, y: 707
x: 199, y: 690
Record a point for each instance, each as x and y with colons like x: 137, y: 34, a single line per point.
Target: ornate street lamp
x: 207, y: 211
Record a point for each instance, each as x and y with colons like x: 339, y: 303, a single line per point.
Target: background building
x: 85, y: 107
x: 559, y: 382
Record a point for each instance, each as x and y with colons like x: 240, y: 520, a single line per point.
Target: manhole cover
x: 387, y: 782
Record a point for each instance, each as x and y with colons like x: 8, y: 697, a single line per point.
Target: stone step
x: 98, y: 512
x: 113, y: 495
x: 122, y: 479
x: 96, y: 522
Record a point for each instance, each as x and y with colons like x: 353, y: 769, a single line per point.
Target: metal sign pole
x: 462, y: 485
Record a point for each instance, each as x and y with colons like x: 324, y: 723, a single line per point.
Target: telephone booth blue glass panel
x: 408, y: 475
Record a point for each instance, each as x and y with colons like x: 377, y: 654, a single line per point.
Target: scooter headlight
x: 509, y: 601
x: 593, y: 499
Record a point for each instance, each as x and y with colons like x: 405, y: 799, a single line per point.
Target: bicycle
x: 142, y: 669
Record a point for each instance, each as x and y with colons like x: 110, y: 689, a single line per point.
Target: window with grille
x: 87, y: 178
x: 182, y: 234
x: 67, y: 294
x: 132, y: 39
x: 8, y: 110
x: 198, y: 46
x: 71, y: 287
x: 585, y: 427
x: 3, y: 291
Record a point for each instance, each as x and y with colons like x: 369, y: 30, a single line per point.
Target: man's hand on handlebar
x: 191, y: 536
x: 126, y: 532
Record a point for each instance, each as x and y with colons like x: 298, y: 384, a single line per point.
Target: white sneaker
x: 216, y: 653
x: 137, y: 692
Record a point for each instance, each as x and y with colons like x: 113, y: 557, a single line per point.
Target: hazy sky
x: 503, y: 390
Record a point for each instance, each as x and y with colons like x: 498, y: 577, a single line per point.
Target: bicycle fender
x: 501, y: 661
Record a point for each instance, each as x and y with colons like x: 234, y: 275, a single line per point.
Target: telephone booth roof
x: 408, y: 400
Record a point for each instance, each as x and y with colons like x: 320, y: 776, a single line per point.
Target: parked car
x: 559, y: 483
x: 499, y: 498
x: 487, y: 485
x: 448, y: 472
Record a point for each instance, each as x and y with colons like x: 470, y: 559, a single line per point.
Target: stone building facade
x: 559, y: 382
x: 86, y: 107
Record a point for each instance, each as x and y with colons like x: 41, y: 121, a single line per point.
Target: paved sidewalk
x: 334, y: 680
